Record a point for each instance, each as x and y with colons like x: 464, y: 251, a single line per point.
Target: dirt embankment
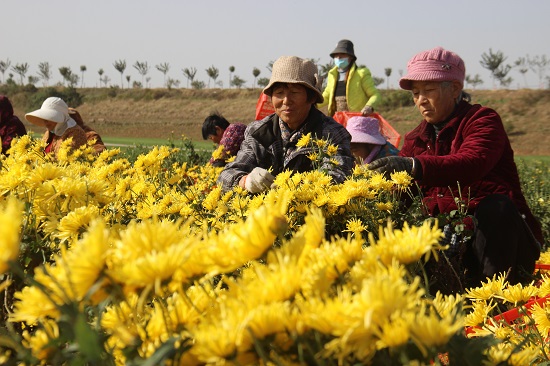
x: 163, y: 113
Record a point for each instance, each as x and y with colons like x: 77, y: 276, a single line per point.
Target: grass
x: 142, y: 141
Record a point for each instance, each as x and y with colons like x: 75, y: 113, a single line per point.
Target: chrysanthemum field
x: 107, y: 261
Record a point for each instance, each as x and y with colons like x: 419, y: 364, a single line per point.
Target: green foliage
x: 262, y: 82
x: 395, y: 99
x: 187, y: 153
x: 69, y: 95
x: 535, y: 182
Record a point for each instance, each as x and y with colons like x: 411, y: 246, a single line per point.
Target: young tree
x: 256, y: 73
x: 521, y: 64
x: 68, y: 75
x: 100, y: 72
x: 72, y: 79
x: 387, y: 71
x: 171, y: 83
x: 4, y: 66
x: 164, y: 68
x: 262, y: 82
x: 270, y: 65
x: 323, y: 71
x: 21, y: 70
x: 231, y: 71
x: 197, y: 84
x: 377, y: 81
x: 128, y: 80
x: 189, y: 73
x: 213, y: 74
x: 237, y: 82
x: 142, y: 68
x: 44, y: 72
x: 120, y: 66
x: 105, y: 80
x: 83, y: 68
x: 539, y: 64
x: 33, y: 79
x: 494, y: 62
x: 474, y: 82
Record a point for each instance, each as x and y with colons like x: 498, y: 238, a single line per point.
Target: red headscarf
x: 6, y: 110
x: 10, y: 125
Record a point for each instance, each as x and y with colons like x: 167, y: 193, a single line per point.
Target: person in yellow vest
x: 350, y: 88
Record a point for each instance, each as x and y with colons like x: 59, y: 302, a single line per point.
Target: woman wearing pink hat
x: 462, y: 150
x: 367, y: 143
x: 54, y: 115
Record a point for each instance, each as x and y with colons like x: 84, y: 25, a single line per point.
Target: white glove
x: 367, y: 110
x: 258, y: 180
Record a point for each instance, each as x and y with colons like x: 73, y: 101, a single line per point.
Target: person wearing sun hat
x: 54, y: 115
x: 269, y: 145
x: 367, y: 143
x: 462, y: 150
x: 350, y: 88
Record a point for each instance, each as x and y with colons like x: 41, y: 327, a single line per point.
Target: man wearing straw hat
x: 269, y: 145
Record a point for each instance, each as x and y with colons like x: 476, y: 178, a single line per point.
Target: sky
x: 250, y: 34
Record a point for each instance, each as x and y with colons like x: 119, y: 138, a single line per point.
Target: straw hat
x: 295, y: 70
x: 53, y: 109
x: 365, y: 130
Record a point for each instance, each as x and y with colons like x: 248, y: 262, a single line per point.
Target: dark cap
x: 344, y: 46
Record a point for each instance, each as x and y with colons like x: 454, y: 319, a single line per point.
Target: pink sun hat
x: 365, y: 130
x: 436, y: 64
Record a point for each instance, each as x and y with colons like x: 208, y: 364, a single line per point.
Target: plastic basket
x: 389, y: 133
x: 263, y: 107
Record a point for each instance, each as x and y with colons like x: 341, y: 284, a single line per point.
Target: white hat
x: 53, y: 109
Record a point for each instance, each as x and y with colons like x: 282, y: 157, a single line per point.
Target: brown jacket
x: 91, y: 134
x: 76, y: 132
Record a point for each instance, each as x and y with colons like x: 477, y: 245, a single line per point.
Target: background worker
x: 367, y: 143
x: 10, y: 125
x: 229, y: 135
x: 350, y: 88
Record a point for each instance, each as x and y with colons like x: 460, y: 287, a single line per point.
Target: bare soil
x: 172, y: 113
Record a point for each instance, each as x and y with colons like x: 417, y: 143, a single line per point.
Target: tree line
x: 495, y: 62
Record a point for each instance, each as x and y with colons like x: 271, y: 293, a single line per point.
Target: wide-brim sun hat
x: 436, y: 64
x: 365, y: 130
x: 295, y: 70
x: 53, y: 109
x: 344, y: 46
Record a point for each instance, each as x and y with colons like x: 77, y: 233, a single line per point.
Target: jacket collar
x: 270, y: 131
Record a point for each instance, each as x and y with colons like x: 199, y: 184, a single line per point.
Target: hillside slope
x: 162, y: 113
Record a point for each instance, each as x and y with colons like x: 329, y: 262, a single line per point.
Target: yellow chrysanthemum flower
x: 304, y: 140
x: 518, y: 293
x: 429, y: 330
x: 407, y: 245
x: 11, y: 214
x: 541, y: 315
x: 40, y: 343
x: 332, y: 150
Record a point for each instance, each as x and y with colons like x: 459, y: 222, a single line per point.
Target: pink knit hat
x: 365, y: 130
x: 436, y: 64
